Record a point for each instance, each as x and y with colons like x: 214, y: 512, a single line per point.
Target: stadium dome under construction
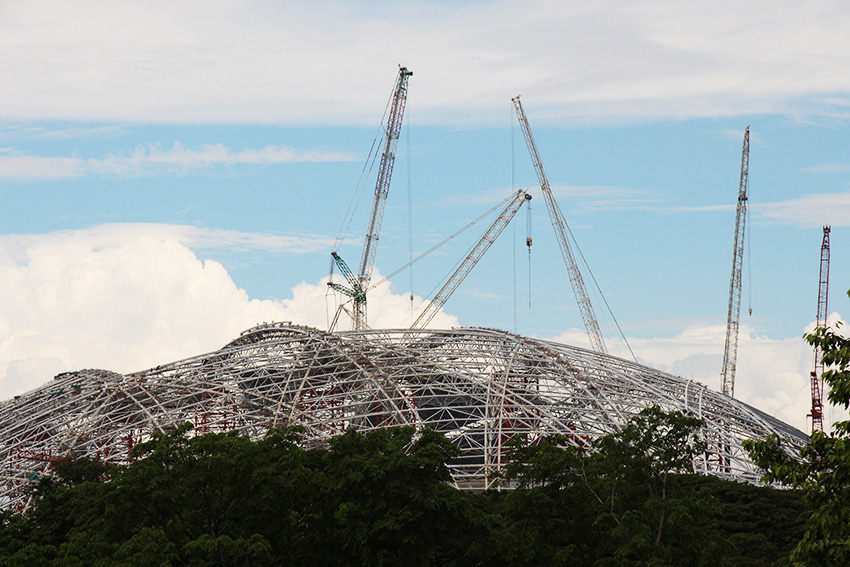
x: 477, y: 386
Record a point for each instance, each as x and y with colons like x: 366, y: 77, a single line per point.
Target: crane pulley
x: 730, y: 351
x: 559, y: 225
x: 471, y: 259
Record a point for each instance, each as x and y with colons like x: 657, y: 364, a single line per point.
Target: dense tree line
x: 385, y: 499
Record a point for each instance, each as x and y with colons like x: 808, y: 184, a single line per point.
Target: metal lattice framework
x: 823, y: 310
x: 477, y: 386
x: 561, y: 229
x: 730, y: 351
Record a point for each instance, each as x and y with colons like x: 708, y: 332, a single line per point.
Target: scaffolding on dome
x: 478, y: 386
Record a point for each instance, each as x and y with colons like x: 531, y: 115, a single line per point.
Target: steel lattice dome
x: 477, y: 386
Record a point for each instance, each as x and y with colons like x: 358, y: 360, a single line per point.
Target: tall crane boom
x: 471, y: 259
x: 823, y: 296
x: 559, y: 225
x: 730, y: 352
x: 382, y: 187
x: 360, y: 283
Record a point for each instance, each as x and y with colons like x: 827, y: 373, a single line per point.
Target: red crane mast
x: 823, y: 301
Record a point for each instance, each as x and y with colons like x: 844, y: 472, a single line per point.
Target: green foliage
x: 627, y: 510
x: 392, y: 501
x: 221, y: 499
x: 385, y: 499
x: 754, y: 525
x: 823, y: 470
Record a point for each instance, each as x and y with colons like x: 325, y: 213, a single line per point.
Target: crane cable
x: 513, y: 227
x: 501, y: 203
x: 599, y: 290
x: 454, y: 268
x: 749, y: 238
x: 409, y: 209
x: 358, y: 193
x: 365, y: 174
x: 528, y: 244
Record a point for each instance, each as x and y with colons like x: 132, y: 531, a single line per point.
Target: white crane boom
x: 730, y: 352
x: 559, y: 225
x: 471, y: 259
x: 358, y: 288
x: 385, y: 172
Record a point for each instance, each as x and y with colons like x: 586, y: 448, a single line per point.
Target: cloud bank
x: 772, y: 374
x: 125, y: 298
x: 292, y: 62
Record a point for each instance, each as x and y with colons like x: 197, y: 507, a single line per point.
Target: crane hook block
x: 528, y: 242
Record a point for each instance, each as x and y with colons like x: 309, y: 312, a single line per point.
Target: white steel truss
x: 478, y: 386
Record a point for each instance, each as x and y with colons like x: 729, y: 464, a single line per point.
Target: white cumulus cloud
x: 125, y: 298
x: 772, y: 374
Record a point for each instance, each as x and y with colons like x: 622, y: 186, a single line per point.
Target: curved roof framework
x: 477, y: 386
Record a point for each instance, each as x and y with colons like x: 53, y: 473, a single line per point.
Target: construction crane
x: 360, y: 283
x: 471, y: 259
x: 559, y: 225
x: 356, y: 292
x: 823, y: 296
x: 730, y: 352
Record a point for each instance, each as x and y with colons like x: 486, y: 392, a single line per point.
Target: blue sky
x: 170, y: 176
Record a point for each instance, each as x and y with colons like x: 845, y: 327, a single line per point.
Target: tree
x: 388, y: 498
x: 382, y: 499
x: 385, y: 498
x: 624, y: 505
x: 822, y: 470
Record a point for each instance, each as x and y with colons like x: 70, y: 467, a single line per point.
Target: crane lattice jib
x: 385, y: 172
x: 823, y: 296
x: 471, y: 259
x: 730, y: 351
x: 559, y: 225
x: 356, y: 292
